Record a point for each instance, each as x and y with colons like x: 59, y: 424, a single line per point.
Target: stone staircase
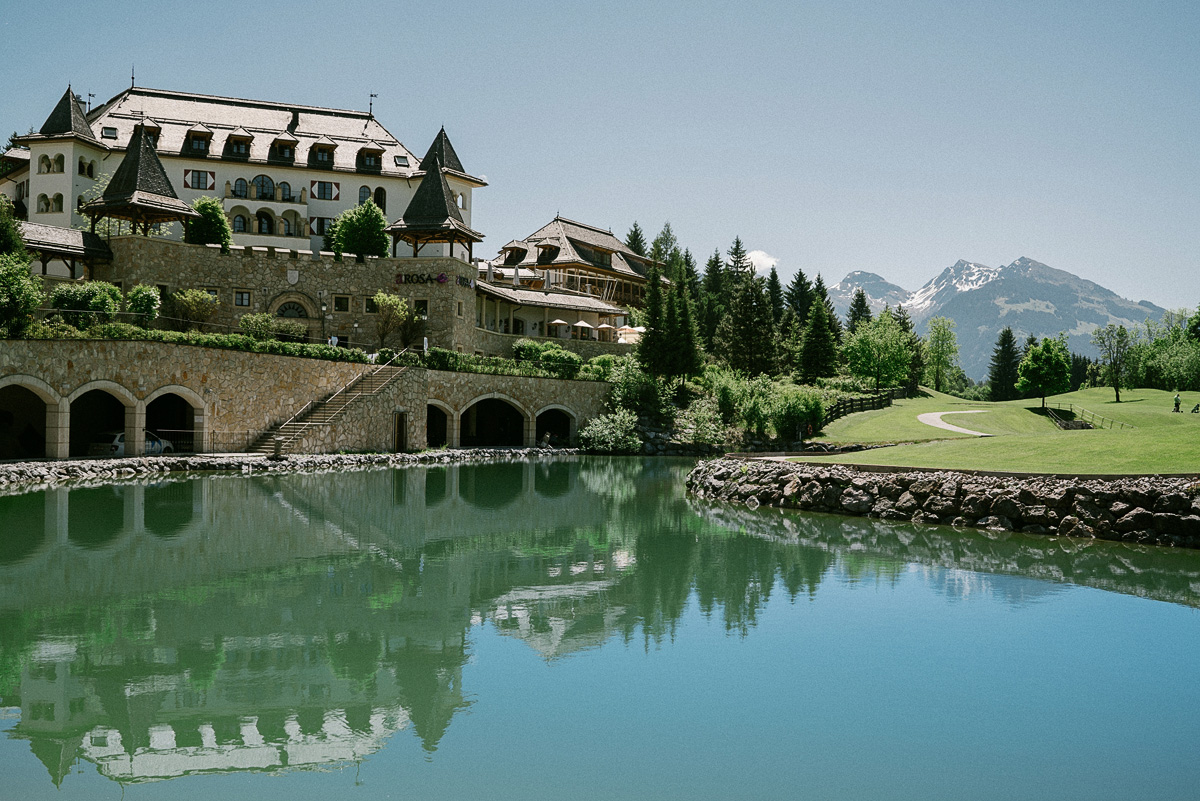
x: 324, y: 412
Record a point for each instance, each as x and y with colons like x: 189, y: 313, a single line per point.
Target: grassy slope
x: 1163, y: 442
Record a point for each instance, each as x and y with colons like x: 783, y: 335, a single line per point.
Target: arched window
x: 59, y: 163
x: 239, y: 224
x: 91, y: 169
x: 82, y: 166
x: 285, y: 226
x: 58, y: 200
x: 43, y: 204
x: 381, y: 199
x: 266, y: 223
x: 291, y: 309
x: 241, y: 188
x: 285, y: 191
x: 264, y: 187
x: 364, y: 194
x: 44, y: 164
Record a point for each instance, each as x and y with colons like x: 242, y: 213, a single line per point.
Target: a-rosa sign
x: 432, y: 278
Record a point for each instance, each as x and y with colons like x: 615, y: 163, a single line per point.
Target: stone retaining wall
x: 1154, y: 510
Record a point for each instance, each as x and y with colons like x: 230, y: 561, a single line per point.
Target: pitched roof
x: 265, y: 121
x: 569, y: 235
x: 65, y: 241
x: 68, y: 118
x: 432, y: 209
x: 141, y: 184
x: 552, y: 299
x: 442, y: 152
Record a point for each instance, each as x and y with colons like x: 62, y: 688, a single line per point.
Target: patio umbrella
x: 603, y: 325
x: 584, y: 324
x: 641, y: 329
x: 558, y: 322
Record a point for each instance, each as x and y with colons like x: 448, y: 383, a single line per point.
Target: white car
x: 112, y: 443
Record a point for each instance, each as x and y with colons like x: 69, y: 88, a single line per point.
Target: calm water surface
x: 577, y: 629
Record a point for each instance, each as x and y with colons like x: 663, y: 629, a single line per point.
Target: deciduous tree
x: 1115, y: 343
x: 1046, y: 369
x: 20, y: 294
x: 941, y: 350
x: 361, y: 231
x: 212, y: 227
x: 879, y: 350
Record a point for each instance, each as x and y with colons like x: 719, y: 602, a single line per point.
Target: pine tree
x: 799, y: 297
x: 1002, y: 373
x: 691, y: 276
x: 818, y: 349
x: 775, y: 293
x: 790, y: 340
x: 860, y: 311
x: 635, y: 240
x: 745, y: 338
x: 739, y: 262
x: 663, y: 245
x: 689, y: 359
x: 712, y: 299
x: 821, y: 295
x: 651, y: 346
x: 671, y: 339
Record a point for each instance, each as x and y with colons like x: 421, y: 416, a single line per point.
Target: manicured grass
x: 1162, y: 442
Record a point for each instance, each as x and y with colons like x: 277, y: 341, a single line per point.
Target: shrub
x: 143, y: 301
x: 701, y: 421
x: 753, y: 402
x: 793, y: 409
x: 212, y: 227
x: 360, y: 230
x: 20, y: 295
x: 287, y: 330
x: 638, y: 392
x: 612, y: 433
x: 561, y: 363
x: 602, y: 365
x: 192, y: 308
x: 259, y: 326
x: 527, y: 350
x: 87, y: 303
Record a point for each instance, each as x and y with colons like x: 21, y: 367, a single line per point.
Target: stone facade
x: 316, y: 283
x: 236, y: 396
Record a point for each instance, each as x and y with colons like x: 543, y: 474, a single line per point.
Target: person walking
x: 1177, y: 401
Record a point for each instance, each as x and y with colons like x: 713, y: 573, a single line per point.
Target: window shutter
x: 312, y: 189
x: 337, y: 191
x: 212, y: 180
x: 187, y: 179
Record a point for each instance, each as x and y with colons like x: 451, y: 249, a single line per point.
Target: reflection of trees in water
x: 351, y: 635
x: 24, y: 527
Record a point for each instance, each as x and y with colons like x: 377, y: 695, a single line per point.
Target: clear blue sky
x: 834, y: 136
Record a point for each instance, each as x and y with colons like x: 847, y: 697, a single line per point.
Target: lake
x: 574, y: 629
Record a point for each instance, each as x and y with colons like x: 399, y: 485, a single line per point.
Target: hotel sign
x: 432, y: 278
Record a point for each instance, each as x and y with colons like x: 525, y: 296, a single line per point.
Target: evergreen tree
x: 671, y: 340
x: 651, y: 346
x: 942, y: 349
x: 790, y: 341
x: 1030, y: 343
x: 1002, y: 374
x: 689, y: 361
x: 818, y: 349
x: 739, y: 262
x: 799, y: 297
x: 663, y: 245
x: 775, y: 294
x: 712, y: 300
x: 635, y: 240
x: 860, y: 311
x: 691, y: 276
x: 916, y: 363
x: 745, y: 338
x: 821, y: 295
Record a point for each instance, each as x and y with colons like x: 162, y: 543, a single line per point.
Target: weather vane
x: 371, y: 105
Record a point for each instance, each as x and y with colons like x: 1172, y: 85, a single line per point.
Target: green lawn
x: 1162, y: 442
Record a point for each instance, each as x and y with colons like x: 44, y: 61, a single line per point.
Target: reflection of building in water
x: 278, y: 623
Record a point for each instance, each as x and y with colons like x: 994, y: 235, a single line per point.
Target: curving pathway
x: 935, y: 419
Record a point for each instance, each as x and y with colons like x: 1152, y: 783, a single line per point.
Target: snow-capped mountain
x: 1027, y: 295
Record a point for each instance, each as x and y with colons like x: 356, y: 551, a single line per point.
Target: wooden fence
x: 847, y: 406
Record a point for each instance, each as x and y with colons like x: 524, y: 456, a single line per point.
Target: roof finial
x: 371, y: 105
x: 132, y: 76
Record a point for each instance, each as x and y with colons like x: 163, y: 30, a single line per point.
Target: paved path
x: 935, y: 419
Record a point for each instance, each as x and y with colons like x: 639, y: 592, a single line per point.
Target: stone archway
x: 439, y: 421
x: 23, y: 433
x: 179, y: 416
x: 99, y: 409
x: 494, y: 420
x: 557, y: 421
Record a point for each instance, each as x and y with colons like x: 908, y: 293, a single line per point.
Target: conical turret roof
x: 442, y: 152
x: 67, y: 118
x: 140, y: 190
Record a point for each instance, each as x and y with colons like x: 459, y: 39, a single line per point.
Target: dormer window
x: 285, y: 151
x: 325, y: 156
x: 371, y: 160
x: 239, y: 147
x: 198, y: 145
x: 108, y: 133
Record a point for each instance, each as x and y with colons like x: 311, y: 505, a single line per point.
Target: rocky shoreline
x: 21, y: 477
x: 1150, y: 509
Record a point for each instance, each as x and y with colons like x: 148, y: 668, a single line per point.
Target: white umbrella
x: 641, y: 329
x: 559, y: 322
x: 584, y: 324
x: 603, y: 325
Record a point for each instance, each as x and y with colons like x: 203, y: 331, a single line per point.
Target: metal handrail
x: 358, y: 379
x: 1082, y: 411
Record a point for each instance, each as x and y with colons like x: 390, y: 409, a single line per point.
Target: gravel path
x: 935, y: 419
